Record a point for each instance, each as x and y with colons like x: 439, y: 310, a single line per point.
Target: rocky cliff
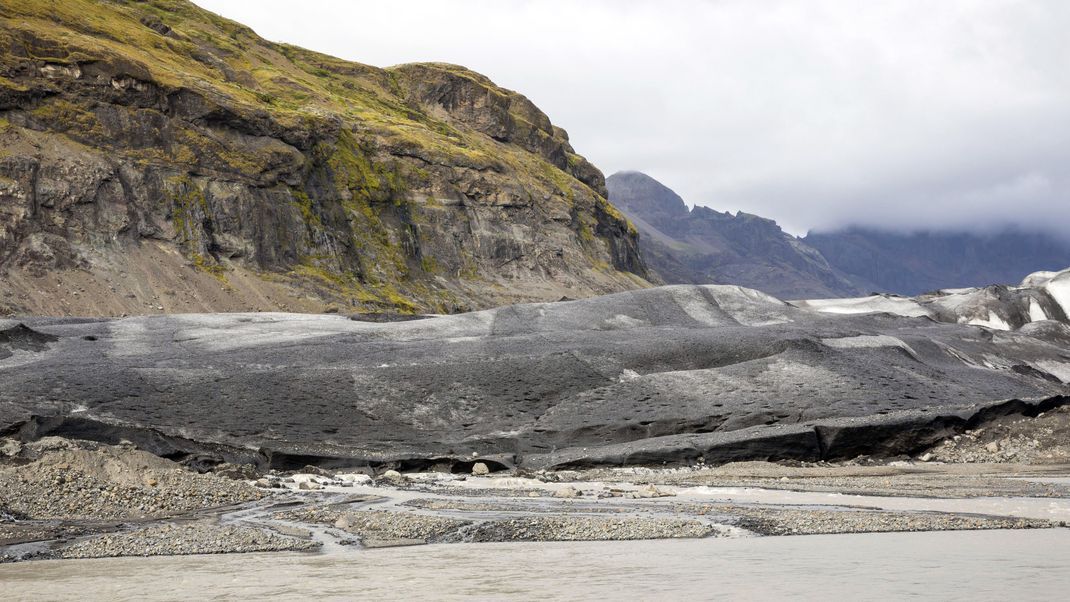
x: 156, y: 157
x: 702, y: 245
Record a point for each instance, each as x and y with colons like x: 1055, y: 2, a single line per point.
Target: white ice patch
x: 748, y: 306
x: 1036, y: 312
x: 492, y: 435
x: 1060, y: 370
x: 627, y: 375
x: 993, y: 321
x: 356, y: 479
x: 866, y: 305
x: 622, y: 322
x: 955, y: 353
x: 457, y: 326
x: 698, y: 307
x: 455, y: 340
x: 1059, y: 289
x: 955, y: 302
x: 785, y: 374
x: 130, y: 338
x: 224, y: 332
x: 1038, y: 278
x: 867, y: 341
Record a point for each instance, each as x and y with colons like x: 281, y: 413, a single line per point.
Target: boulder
x: 355, y: 479
x: 393, y: 476
x: 568, y: 493
x: 10, y: 447
x: 650, y: 491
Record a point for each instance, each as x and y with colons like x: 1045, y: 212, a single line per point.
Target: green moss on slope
x: 353, y: 144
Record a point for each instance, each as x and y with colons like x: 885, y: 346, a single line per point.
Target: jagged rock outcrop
x: 702, y: 245
x: 911, y: 264
x: 156, y: 157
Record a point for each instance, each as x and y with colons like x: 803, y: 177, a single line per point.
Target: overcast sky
x: 906, y: 114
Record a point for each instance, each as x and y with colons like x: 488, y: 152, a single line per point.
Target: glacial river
x: 977, y: 565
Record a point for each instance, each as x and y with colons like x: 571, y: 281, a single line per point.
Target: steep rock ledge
x: 144, y: 137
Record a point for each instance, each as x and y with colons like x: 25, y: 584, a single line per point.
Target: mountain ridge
x: 702, y: 245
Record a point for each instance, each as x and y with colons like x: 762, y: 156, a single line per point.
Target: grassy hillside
x: 419, y: 187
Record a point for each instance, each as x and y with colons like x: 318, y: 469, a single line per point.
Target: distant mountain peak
x: 639, y: 193
x: 704, y: 245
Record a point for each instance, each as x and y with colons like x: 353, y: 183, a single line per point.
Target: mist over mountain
x: 702, y: 245
x: 911, y: 115
x: 914, y: 263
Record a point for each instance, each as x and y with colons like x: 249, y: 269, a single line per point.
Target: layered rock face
x: 705, y: 246
x: 911, y: 264
x: 669, y: 374
x: 156, y: 157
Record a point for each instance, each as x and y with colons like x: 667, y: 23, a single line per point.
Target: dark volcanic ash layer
x: 672, y: 374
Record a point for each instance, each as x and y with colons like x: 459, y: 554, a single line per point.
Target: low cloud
x: 906, y: 114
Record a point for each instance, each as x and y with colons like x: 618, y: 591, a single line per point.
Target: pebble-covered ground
x: 178, y: 539
x: 586, y: 528
x: 89, y: 481
x: 759, y: 519
x: 378, y: 525
x: 59, y: 490
x: 1041, y: 440
x: 21, y: 532
x: 381, y: 526
x: 86, y: 500
x: 812, y: 521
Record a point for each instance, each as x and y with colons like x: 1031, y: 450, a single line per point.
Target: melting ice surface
x: 985, y: 307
